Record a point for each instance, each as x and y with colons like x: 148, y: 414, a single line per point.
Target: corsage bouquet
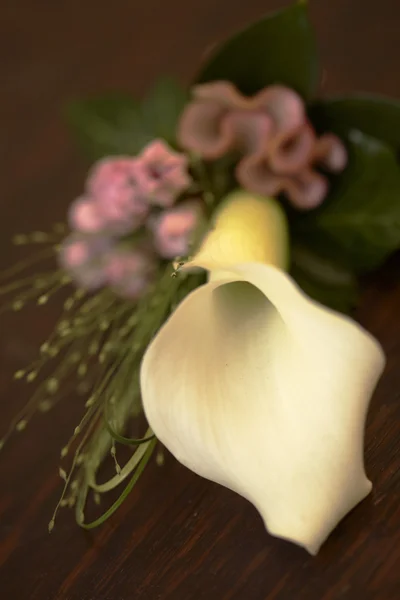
x: 211, y: 258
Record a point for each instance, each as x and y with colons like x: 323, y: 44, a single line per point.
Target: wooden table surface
x: 178, y: 537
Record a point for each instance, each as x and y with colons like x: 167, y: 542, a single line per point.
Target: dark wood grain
x: 178, y: 537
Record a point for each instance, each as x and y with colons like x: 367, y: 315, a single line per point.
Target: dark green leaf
x: 359, y: 224
x: 109, y: 125
x: 116, y: 124
x: 162, y: 108
x: 374, y: 115
x: 324, y: 280
x: 277, y: 49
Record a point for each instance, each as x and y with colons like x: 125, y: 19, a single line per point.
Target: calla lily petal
x: 253, y: 385
x: 239, y: 235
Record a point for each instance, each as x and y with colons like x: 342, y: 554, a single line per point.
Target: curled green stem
x: 126, y: 470
x: 114, y: 507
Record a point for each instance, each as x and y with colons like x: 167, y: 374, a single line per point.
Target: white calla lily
x: 255, y: 386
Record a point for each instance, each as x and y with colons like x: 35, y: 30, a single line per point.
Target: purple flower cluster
x: 278, y: 146
x: 128, y: 220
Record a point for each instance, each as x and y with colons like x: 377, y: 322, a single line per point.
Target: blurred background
x: 52, y: 51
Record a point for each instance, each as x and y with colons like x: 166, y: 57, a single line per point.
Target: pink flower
x: 294, y: 153
x: 94, y: 262
x: 117, y: 186
x: 75, y: 253
x: 252, y: 131
x: 85, y: 216
x: 216, y: 121
x: 82, y: 257
x: 163, y: 173
x: 173, y: 229
x: 305, y: 190
x: 279, y: 147
x: 130, y: 272
x: 331, y: 153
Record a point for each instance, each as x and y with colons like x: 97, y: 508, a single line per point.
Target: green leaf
x: 326, y: 281
x: 116, y: 124
x: 377, y: 116
x: 110, y: 125
x: 124, y: 494
x: 359, y: 223
x: 163, y: 107
x: 277, y: 49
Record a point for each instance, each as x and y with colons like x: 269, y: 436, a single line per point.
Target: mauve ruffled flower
x: 253, y: 130
x: 330, y: 153
x: 212, y: 124
x: 164, y: 173
x: 130, y: 271
x: 295, y: 153
x: 305, y: 190
x: 118, y: 188
x: 82, y: 257
x: 173, y: 229
x: 279, y: 146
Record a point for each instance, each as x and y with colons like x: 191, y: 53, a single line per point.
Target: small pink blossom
x: 85, y: 216
x: 82, y: 257
x: 173, y: 229
x: 164, y: 173
x: 117, y: 186
x: 130, y: 272
x: 75, y: 253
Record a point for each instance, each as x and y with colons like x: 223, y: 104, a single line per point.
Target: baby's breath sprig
x: 98, y: 343
x: 95, y: 349
x: 121, y: 393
